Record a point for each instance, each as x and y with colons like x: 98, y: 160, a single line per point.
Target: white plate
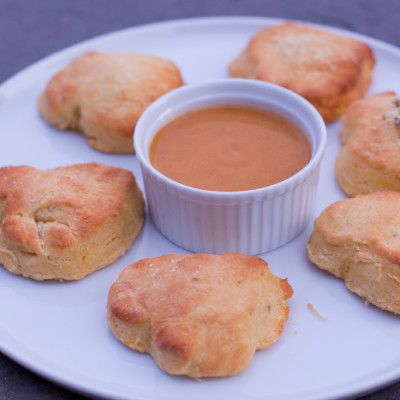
x: 59, y: 331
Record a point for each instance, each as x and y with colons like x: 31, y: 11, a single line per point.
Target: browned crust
x: 368, y: 161
x: 102, y: 95
x: 358, y: 240
x: 328, y: 70
x: 199, y: 314
x: 67, y: 222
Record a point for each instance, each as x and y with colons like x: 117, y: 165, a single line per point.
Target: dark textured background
x: 32, y: 29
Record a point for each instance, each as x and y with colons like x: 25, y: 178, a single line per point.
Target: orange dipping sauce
x: 229, y: 148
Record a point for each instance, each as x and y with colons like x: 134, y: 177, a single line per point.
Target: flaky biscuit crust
x: 358, y: 240
x: 328, y: 70
x: 368, y: 160
x: 68, y: 222
x: 102, y: 95
x: 199, y: 314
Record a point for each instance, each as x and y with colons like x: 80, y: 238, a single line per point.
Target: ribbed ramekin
x: 252, y: 221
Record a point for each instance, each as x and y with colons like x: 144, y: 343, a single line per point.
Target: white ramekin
x: 252, y: 221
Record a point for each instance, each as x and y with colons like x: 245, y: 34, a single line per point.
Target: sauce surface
x: 229, y: 148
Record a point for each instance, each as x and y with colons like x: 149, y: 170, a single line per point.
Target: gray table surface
x: 32, y: 29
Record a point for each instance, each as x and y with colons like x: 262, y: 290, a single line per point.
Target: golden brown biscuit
x: 199, y: 314
x: 328, y: 70
x: 67, y: 222
x: 358, y: 240
x: 103, y: 95
x: 369, y: 159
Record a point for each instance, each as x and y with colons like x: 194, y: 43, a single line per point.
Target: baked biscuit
x: 67, y: 222
x: 369, y: 159
x: 103, y: 95
x: 358, y: 240
x: 200, y: 314
x: 328, y: 70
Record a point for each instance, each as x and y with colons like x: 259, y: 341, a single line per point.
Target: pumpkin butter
x: 229, y: 148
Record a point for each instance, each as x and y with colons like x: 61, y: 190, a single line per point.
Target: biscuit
x: 368, y: 160
x: 199, y: 314
x: 358, y: 240
x: 328, y: 70
x: 102, y: 95
x: 68, y: 222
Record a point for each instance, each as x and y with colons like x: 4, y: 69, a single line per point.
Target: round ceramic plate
x: 59, y: 330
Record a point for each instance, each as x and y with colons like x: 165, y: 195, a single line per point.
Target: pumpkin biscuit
x: 199, y: 314
x: 67, y: 222
x: 328, y: 70
x: 358, y: 240
x: 368, y: 160
x: 102, y: 95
